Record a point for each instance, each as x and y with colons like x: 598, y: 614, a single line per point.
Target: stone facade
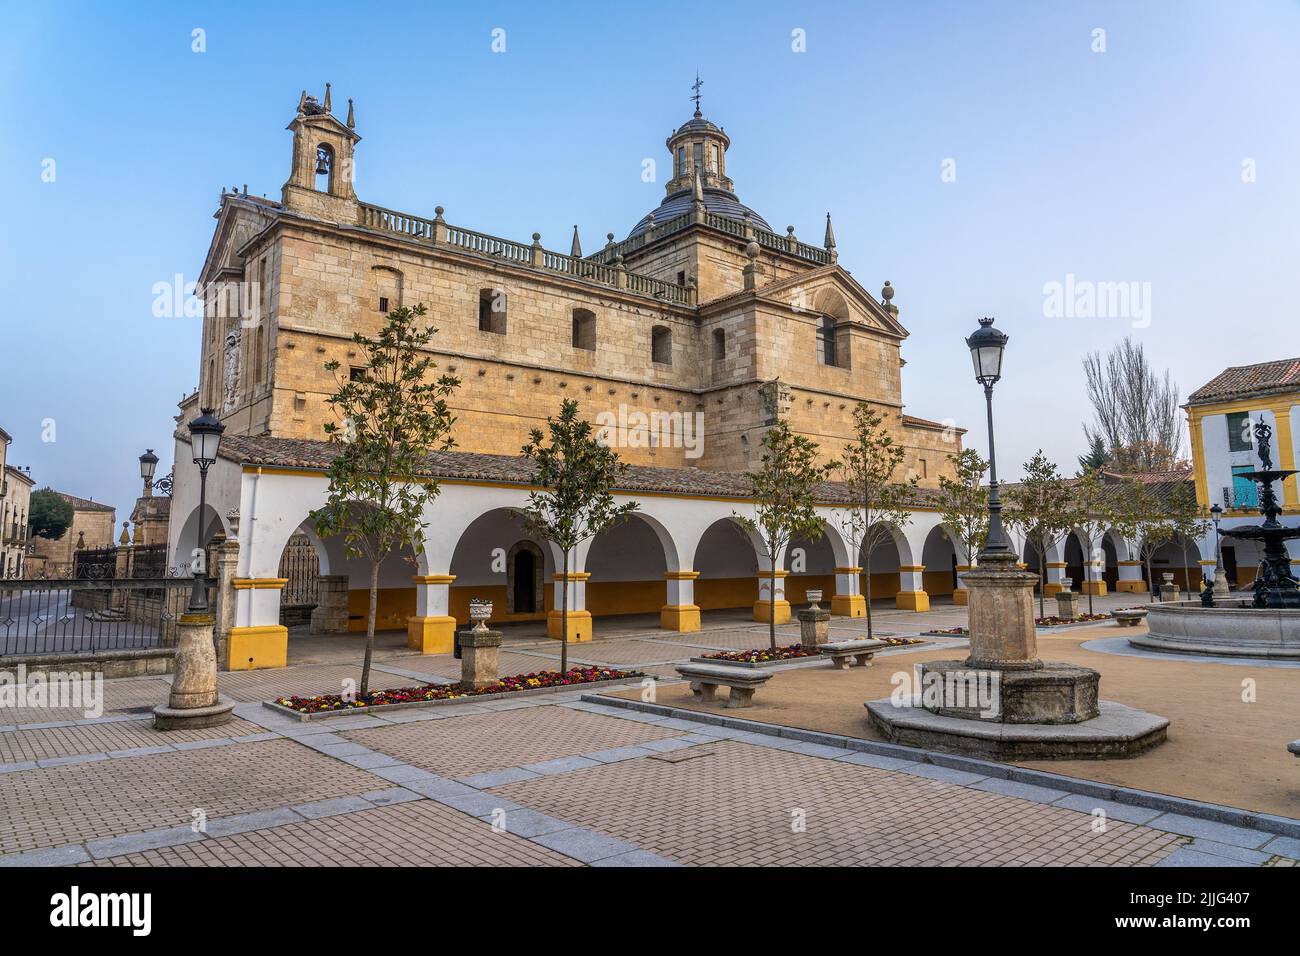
x: 93, y: 526
x: 15, y: 505
x: 693, y: 358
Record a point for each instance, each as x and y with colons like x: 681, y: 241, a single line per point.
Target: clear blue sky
x: 1117, y: 166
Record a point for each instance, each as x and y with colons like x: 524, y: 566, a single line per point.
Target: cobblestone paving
x: 306, y: 681
x: 409, y: 834
x: 44, y: 743
x: 462, y: 746
x: 50, y: 806
x: 119, y: 695
x: 736, y: 804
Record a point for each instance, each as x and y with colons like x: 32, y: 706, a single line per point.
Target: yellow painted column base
x: 782, y: 611
x: 912, y: 601
x: 431, y: 635
x: 679, y: 617
x: 959, y: 596
x: 1096, y: 588
x: 253, y: 648
x: 1051, y: 588
x: 849, y: 605
x: 1131, y: 587
x: 579, y: 626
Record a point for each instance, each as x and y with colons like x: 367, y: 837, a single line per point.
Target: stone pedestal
x: 1003, y: 701
x: 478, y: 658
x: 1067, y: 605
x: 1221, y: 588
x: 814, y: 628
x: 194, y: 702
x: 331, y: 613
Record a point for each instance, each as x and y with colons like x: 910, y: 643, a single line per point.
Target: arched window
x: 584, y: 329
x: 324, y: 167
x: 681, y: 160
x: 826, y: 340
x: 719, y: 345
x: 492, y: 311
x: 661, y: 345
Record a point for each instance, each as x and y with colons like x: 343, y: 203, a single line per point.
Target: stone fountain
x: 1265, y: 626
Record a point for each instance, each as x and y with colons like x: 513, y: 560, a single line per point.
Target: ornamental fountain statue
x: 1267, y: 626
x: 1275, y: 586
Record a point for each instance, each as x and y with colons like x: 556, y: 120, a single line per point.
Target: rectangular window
x: 699, y: 158
x: 1239, y: 435
x: 356, y: 373
x: 1245, y: 493
x: 383, y: 304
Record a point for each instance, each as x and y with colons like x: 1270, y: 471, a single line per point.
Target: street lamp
x: 148, y: 463
x: 1216, y: 512
x: 986, y: 346
x: 205, y: 438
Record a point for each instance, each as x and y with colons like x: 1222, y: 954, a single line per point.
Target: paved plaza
x: 557, y: 779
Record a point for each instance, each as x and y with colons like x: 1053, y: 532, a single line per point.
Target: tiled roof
x: 1246, y: 381
x: 514, y: 469
x: 83, y: 504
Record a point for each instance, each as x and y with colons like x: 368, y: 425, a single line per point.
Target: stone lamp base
x: 194, y: 702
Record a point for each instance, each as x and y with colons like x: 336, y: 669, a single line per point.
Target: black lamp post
x: 205, y: 439
x: 1216, y: 512
x: 148, y: 464
x: 986, y: 347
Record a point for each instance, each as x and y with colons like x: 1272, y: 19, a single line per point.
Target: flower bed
x: 765, y: 655
x: 1053, y: 621
x: 336, y: 703
x: 950, y: 632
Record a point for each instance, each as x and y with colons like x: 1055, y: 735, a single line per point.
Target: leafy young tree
x: 1093, y: 515
x: 391, y: 415
x: 870, y: 460
x: 964, y: 502
x: 49, y: 514
x: 1136, y: 411
x: 784, y: 493
x: 1042, y: 509
x: 577, y: 473
x: 1140, y: 517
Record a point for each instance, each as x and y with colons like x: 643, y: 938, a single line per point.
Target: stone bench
x: 861, y: 651
x: 1129, y: 618
x: 707, y: 678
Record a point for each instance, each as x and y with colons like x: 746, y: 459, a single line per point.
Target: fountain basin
x: 1234, y: 629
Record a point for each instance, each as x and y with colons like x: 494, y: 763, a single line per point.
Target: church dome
x: 717, y: 201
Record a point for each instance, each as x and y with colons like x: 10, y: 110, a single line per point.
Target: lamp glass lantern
x: 148, y: 464
x: 986, y: 346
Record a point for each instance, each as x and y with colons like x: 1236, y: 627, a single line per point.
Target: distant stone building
x: 15, y: 505
x: 685, y: 341
x: 92, y: 526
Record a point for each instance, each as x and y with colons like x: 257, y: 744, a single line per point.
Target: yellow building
x: 1221, y: 416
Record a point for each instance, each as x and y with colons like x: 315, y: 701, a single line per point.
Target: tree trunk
x: 867, y: 597
x: 370, y: 627
x: 771, y: 607
x: 564, y: 616
x: 1087, y: 579
x: 1042, y: 583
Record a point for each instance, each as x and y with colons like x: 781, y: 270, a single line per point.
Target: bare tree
x: 1138, y: 420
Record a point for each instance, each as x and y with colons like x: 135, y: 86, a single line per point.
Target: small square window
x: 383, y: 304
x: 356, y: 373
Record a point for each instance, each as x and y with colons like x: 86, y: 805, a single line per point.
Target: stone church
x: 685, y: 339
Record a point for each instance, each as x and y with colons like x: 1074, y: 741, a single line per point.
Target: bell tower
x: 321, y: 178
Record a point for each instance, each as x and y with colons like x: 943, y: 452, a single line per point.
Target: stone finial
x: 537, y: 239
x: 327, y: 97
x: 887, y: 295
x: 609, y: 240
x: 81, y: 540
x: 437, y: 213
x: 751, y: 269
x: 352, y: 115
x: 697, y: 190
x: 125, y: 537
x: 829, y: 242
x: 575, y: 248
x: 302, y: 102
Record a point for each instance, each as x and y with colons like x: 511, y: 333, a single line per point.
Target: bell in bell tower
x: 321, y: 179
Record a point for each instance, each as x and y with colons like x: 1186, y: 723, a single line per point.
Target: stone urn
x: 1065, y: 583
x: 479, y: 613
x: 814, y: 598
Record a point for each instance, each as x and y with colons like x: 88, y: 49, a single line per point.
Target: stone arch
x: 627, y: 564
x: 214, y: 525
x: 941, y: 554
x: 481, y: 558
x: 525, y: 577
x: 728, y: 570
x: 811, y: 563
x: 890, y: 551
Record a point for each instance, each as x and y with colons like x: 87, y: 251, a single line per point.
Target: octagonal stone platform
x: 1117, y: 731
x: 1053, y: 693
